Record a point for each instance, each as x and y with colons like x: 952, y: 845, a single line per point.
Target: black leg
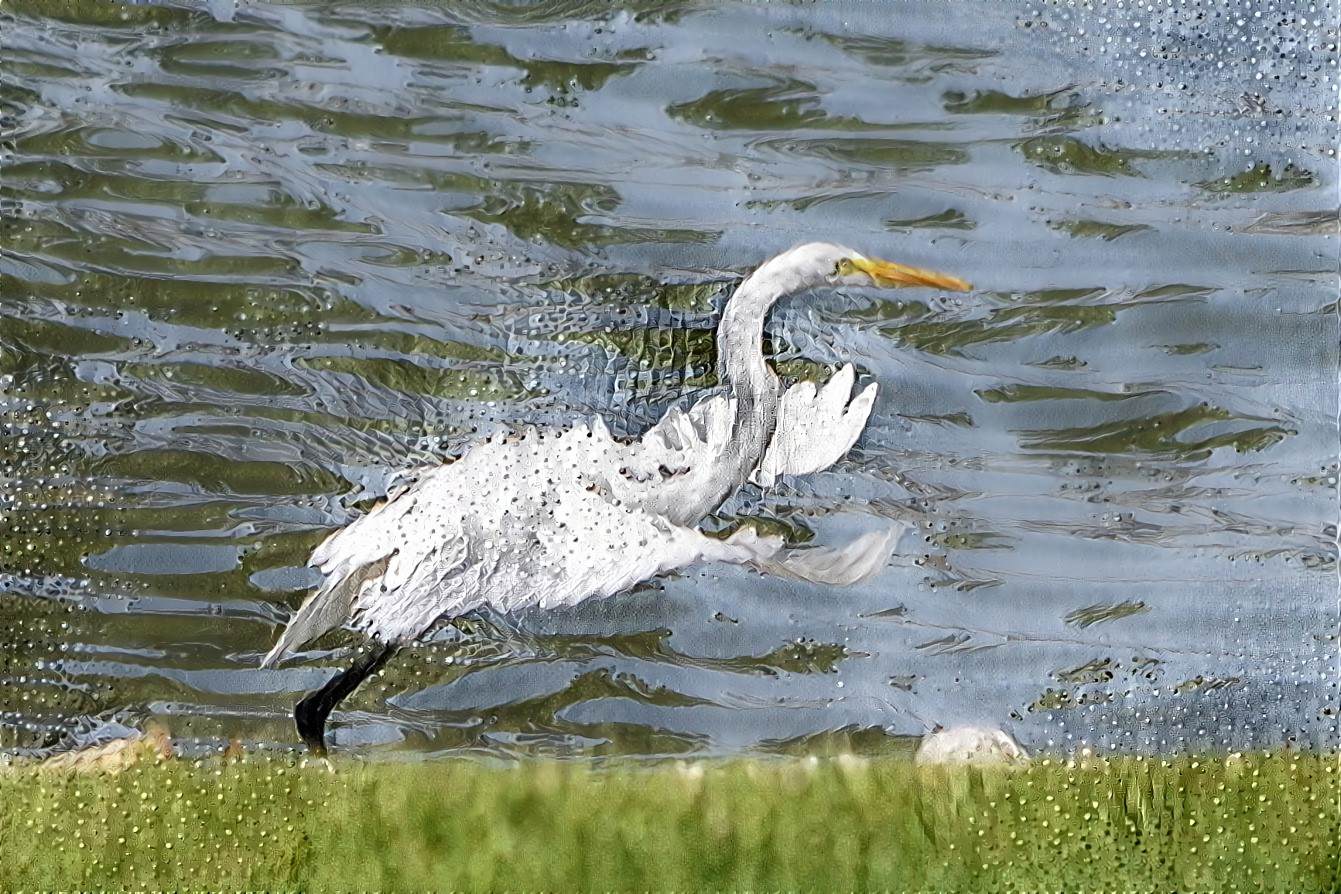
x: 311, y: 713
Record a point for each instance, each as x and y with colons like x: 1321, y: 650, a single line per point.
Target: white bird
x: 554, y: 517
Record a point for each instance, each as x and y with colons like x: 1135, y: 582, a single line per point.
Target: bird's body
x: 546, y: 518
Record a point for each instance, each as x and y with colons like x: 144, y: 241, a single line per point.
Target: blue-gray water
x: 257, y: 259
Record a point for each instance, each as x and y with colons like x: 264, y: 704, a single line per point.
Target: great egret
x: 548, y: 518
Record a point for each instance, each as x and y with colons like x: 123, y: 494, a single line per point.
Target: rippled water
x: 257, y: 260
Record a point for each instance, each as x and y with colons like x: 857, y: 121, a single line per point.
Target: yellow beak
x: 886, y: 273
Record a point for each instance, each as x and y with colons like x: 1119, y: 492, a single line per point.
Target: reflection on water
x: 256, y: 263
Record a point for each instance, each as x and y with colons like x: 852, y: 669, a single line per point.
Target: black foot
x: 310, y: 714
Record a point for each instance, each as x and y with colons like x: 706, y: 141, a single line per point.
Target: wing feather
x: 372, y: 551
x: 816, y: 426
x: 683, y: 467
x: 859, y: 560
x: 688, y: 438
x: 326, y: 608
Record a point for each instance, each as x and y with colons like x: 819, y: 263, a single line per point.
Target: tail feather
x: 327, y: 608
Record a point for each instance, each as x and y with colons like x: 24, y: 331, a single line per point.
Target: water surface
x: 257, y: 259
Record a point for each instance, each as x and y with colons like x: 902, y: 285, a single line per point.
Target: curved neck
x: 740, y: 335
x: 755, y: 393
x: 740, y: 350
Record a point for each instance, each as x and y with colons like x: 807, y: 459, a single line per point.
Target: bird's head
x: 817, y: 264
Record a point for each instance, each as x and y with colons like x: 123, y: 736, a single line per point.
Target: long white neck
x: 756, y: 393
x: 740, y: 360
x: 740, y: 344
x: 740, y: 335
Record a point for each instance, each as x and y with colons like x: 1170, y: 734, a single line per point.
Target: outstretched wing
x: 859, y: 560
x: 685, y: 439
x: 816, y: 426
x: 686, y: 464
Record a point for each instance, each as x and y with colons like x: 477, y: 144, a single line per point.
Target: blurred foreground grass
x: 1250, y: 822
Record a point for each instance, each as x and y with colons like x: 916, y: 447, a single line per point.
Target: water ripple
x: 259, y: 260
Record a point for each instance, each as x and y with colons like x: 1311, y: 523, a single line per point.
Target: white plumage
x: 816, y: 427
x: 548, y: 518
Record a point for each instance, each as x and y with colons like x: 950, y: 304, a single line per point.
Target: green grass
x: 1252, y: 822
